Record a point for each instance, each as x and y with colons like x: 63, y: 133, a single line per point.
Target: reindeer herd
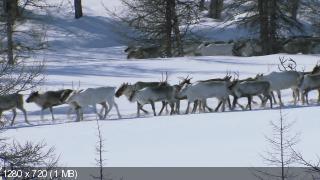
x: 196, y: 93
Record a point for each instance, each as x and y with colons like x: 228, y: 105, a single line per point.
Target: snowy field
x: 87, y: 53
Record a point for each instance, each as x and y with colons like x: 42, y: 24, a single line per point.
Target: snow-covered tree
x: 161, y: 23
x: 270, y: 19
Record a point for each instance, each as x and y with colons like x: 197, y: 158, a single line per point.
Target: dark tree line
x: 165, y: 23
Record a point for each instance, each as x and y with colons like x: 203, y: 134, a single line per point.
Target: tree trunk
x: 10, y: 11
x: 168, y: 28
x: 202, y: 5
x: 215, y: 9
x: 273, y: 26
x: 9, y: 40
x: 177, y: 30
x: 77, y: 9
x: 294, y: 7
x: 264, y: 28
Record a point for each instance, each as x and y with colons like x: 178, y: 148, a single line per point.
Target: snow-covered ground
x: 88, y: 53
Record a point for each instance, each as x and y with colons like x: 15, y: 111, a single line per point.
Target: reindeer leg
x: 307, y: 97
x: 78, y: 114
x: 138, y: 109
x: 14, y: 116
x: 249, y: 102
x: 1, y: 122
x: 105, y: 107
x: 81, y: 113
x: 234, y: 102
x: 279, y: 96
x: 178, y: 107
x: 117, y: 109
x: 261, y: 99
x: 270, y: 99
x: 200, y: 104
x: 42, y: 114
x: 110, y: 103
x: 318, y: 95
x: 206, y: 106
x: 303, y: 96
x: 145, y: 111
x: 219, y: 104
x: 223, y: 105
x: 153, y: 108
x: 166, y: 108
x: 195, y: 105
x: 94, y: 107
x: 294, y: 96
x: 242, y: 107
x: 51, y: 111
x: 188, y: 106
x: 229, y: 102
x: 162, y: 108
x: 274, y: 98
x: 172, y: 108
x: 24, y: 114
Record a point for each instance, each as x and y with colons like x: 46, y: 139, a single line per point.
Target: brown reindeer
x: 49, y: 99
x: 12, y: 102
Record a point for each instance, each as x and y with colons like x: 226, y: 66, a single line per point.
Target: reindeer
x: 283, y: 80
x: 248, y: 88
x: 139, y: 52
x: 185, y: 82
x: 202, y: 90
x: 164, y: 93
x: 316, y: 70
x: 93, y: 96
x: 49, y: 99
x: 13, y: 102
x: 127, y: 89
x: 309, y: 82
x: 203, y: 103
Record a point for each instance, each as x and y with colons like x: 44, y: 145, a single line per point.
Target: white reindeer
x: 202, y: 90
x: 13, y: 102
x: 282, y: 80
x: 288, y: 77
x: 91, y: 97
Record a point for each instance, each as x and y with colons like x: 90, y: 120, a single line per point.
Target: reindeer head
x: 121, y: 89
x: 316, y: 69
x: 186, y: 80
x: 258, y: 76
x: 32, y: 97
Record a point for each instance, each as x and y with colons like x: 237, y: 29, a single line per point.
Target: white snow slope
x: 88, y: 51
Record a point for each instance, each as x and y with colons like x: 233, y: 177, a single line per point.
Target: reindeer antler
x: 292, y: 64
x: 287, y: 64
x: 282, y: 63
x: 236, y: 75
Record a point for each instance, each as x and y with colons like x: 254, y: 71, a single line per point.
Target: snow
x: 89, y: 53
